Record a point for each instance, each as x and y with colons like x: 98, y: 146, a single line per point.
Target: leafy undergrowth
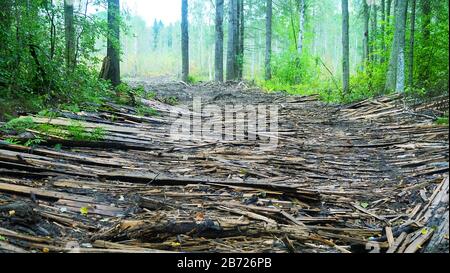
x: 442, y: 120
x: 24, y: 131
x: 17, y: 128
x: 330, y: 92
x: 363, y: 85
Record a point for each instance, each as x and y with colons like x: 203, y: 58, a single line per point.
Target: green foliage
x: 33, y: 75
x: 146, y: 111
x: 369, y: 83
x: 19, y: 125
x: 192, y: 79
x: 33, y: 142
x: 12, y: 141
x: 58, y: 147
x: 51, y: 130
x: 289, y: 68
x: 150, y: 95
x: 47, y: 114
x: 432, y: 55
x: 77, y: 132
x: 98, y: 134
x: 125, y: 94
x: 442, y: 120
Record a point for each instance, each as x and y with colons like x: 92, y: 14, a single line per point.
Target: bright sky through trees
x: 168, y: 11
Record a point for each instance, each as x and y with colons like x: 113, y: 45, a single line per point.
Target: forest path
x: 339, y: 176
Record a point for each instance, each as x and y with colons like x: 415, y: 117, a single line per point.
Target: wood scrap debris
x: 341, y: 179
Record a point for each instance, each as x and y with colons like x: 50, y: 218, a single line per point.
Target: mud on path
x: 342, y: 179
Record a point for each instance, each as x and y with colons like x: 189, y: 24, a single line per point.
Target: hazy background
x: 152, y: 47
x: 169, y: 11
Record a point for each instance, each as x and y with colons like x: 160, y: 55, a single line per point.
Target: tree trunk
x: 411, y: 43
x: 392, y: 67
x: 396, y: 73
x: 346, y: 47
x: 374, y: 32
x: 70, y: 33
x: 366, y: 15
x: 232, y: 41
x: 240, y: 61
x: 219, y: 42
x: 301, y: 31
x: 184, y: 41
x: 383, y: 30
x: 403, y: 9
x: 113, y: 42
x: 388, y: 12
x: 268, y: 68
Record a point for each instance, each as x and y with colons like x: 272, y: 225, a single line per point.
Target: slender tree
x: 412, y: 43
x: 374, y: 31
x: 232, y: 41
x: 395, y: 79
x: 301, y: 29
x: 69, y: 33
x: 366, y: 17
x: 184, y: 41
x: 241, y: 30
x: 219, y: 41
x: 383, y: 29
x: 388, y: 12
x: 346, y: 47
x: 268, y: 68
x: 401, y: 28
x: 113, y: 43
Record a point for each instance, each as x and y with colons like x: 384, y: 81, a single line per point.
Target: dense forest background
x: 52, y: 50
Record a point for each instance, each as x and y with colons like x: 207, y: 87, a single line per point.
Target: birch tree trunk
x: 184, y: 41
x: 346, y: 47
x: 113, y: 43
x: 301, y: 31
x: 374, y: 32
x: 268, y: 68
x: 219, y: 42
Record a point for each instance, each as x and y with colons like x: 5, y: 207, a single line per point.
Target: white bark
x: 301, y: 32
